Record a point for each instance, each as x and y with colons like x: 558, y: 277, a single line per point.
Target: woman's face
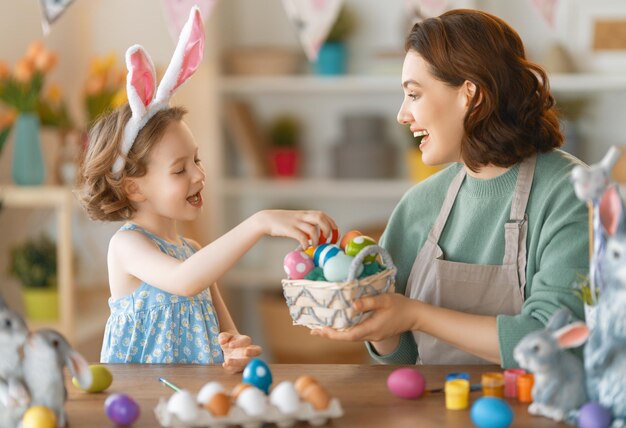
x: 433, y: 109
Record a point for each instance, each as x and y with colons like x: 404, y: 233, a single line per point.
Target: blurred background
x: 275, y: 131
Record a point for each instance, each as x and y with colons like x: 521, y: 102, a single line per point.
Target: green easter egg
x: 102, y: 379
x: 355, y: 245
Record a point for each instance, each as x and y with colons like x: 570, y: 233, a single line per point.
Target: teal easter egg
x: 336, y: 269
x: 355, y: 246
x: 323, y: 253
x: 491, y: 412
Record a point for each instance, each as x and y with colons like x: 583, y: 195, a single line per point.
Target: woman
x: 488, y: 248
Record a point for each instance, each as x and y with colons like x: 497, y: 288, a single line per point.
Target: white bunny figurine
x: 46, y: 352
x: 605, y: 353
x: 559, y: 388
x: 590, y: 183
x: 13, y: 395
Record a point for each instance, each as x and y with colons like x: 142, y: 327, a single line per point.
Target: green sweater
x: 556, y: 246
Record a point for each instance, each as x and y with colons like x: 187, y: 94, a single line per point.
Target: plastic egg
x: 257, y: 373
x: 39, y: 417
x: 336, y: 269
x: 285, y: 397
x: 348, y: 237
x: 406, y: 383
x: 252, y: 401
x: 332, y: 239
x: 208, y: 391
x: 310, y: 251
x: 491, y: 412
x: 354, y: 247
x: 297, y: 264
x: 594, y: 415
x: 325, y: 252
x: 183, y: 406
x: 102, y: 379
x: 121, y: 409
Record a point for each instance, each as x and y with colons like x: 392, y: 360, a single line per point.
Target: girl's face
x: 433, y: 109
x: 172, y: 186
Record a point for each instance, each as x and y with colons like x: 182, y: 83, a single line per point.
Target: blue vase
x: 331, y: 59
x: 28, y: 167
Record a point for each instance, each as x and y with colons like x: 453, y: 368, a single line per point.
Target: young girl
x: 488, y: 248
x: 142, y: 166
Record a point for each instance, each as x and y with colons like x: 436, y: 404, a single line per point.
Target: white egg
x: 183, y: 406
x: 285, y: 397
x: 208, y: 391
x: 253, y: 401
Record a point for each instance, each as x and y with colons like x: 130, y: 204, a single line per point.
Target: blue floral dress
x: 153, y: 326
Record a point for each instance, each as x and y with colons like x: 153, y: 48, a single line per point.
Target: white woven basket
x: 329, y: 304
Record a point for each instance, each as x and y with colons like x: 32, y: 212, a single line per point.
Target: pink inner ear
x: 573, y: 335
x: 142, y: 78
x: 610, y: 210
x: 193, y: 51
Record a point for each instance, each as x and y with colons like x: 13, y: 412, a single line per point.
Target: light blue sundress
x: 153, y: 326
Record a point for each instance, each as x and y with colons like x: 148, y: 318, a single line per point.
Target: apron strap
x: 515, y: 230
x: 448, y: 203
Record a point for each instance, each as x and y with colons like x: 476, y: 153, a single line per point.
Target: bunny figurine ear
x: 572, y: 335
x: 79, y: 368
x: 141, y: 81
x: 187, y: 56
x: 611, y: 210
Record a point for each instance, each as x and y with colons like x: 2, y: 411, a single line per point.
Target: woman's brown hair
x: 512, y: 114
x: 100, y: 191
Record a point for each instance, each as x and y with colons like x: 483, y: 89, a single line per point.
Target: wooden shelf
x: 316, y: 188
x: 575, y: 83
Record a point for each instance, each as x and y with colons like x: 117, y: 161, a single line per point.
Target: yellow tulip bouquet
x: 104, y: 88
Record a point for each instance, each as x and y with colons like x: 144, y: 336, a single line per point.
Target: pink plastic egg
x: 297, y: 264
x: 406, y: 383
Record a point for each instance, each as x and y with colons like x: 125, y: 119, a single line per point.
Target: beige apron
x: 476, y: 289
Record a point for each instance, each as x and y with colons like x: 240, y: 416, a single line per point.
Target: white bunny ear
x: 572, y: 335
x: 140, y: 80
x: 186, y: 58
x: 79, y: 368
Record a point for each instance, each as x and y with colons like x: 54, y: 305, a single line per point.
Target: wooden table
x: 362, y: 390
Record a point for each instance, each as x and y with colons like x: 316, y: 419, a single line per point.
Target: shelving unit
x: 74, y: 304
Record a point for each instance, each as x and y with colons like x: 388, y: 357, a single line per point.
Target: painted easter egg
x: 257, y: 373
x: 594, y: 415
x: 102, y: 379
x: 332, y: 239
x: 491, y: 412
x: 349, y: 236
x: 39, y: 417
x: 406, y: 383
x: 310, y: 251
x: 297, y: 264
x: 323, y: 253
x: 336, y: 269
x: 355, y: 245
x: 121, y: 409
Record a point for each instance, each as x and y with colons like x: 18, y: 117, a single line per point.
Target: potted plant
x: 332, y: 57
x: 34, y: 264
x: 284, y: 135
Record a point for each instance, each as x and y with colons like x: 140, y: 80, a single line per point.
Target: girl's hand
x: 303, y: 226
x: 393, y: 315
x: 238, y: 350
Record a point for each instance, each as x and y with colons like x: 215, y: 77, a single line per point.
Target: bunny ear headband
x: 141, y: 80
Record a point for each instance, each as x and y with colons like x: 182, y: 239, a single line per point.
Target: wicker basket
x: 329, y: 304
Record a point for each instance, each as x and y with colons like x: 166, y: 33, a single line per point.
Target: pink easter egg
x: 406, y: 383
x: 297, y: 264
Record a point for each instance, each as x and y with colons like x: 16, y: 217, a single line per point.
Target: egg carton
x: 329, y: 304
x: 238, y: 417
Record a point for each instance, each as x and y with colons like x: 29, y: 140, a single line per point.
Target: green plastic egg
x: 39, y: 417
x: 102, y: 379
x: 356, y: 244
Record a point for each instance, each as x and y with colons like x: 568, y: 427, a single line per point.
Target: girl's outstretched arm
x: 140, y: 259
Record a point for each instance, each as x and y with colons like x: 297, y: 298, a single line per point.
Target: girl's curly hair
x: 512, y: 114
x: 101, y: 192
